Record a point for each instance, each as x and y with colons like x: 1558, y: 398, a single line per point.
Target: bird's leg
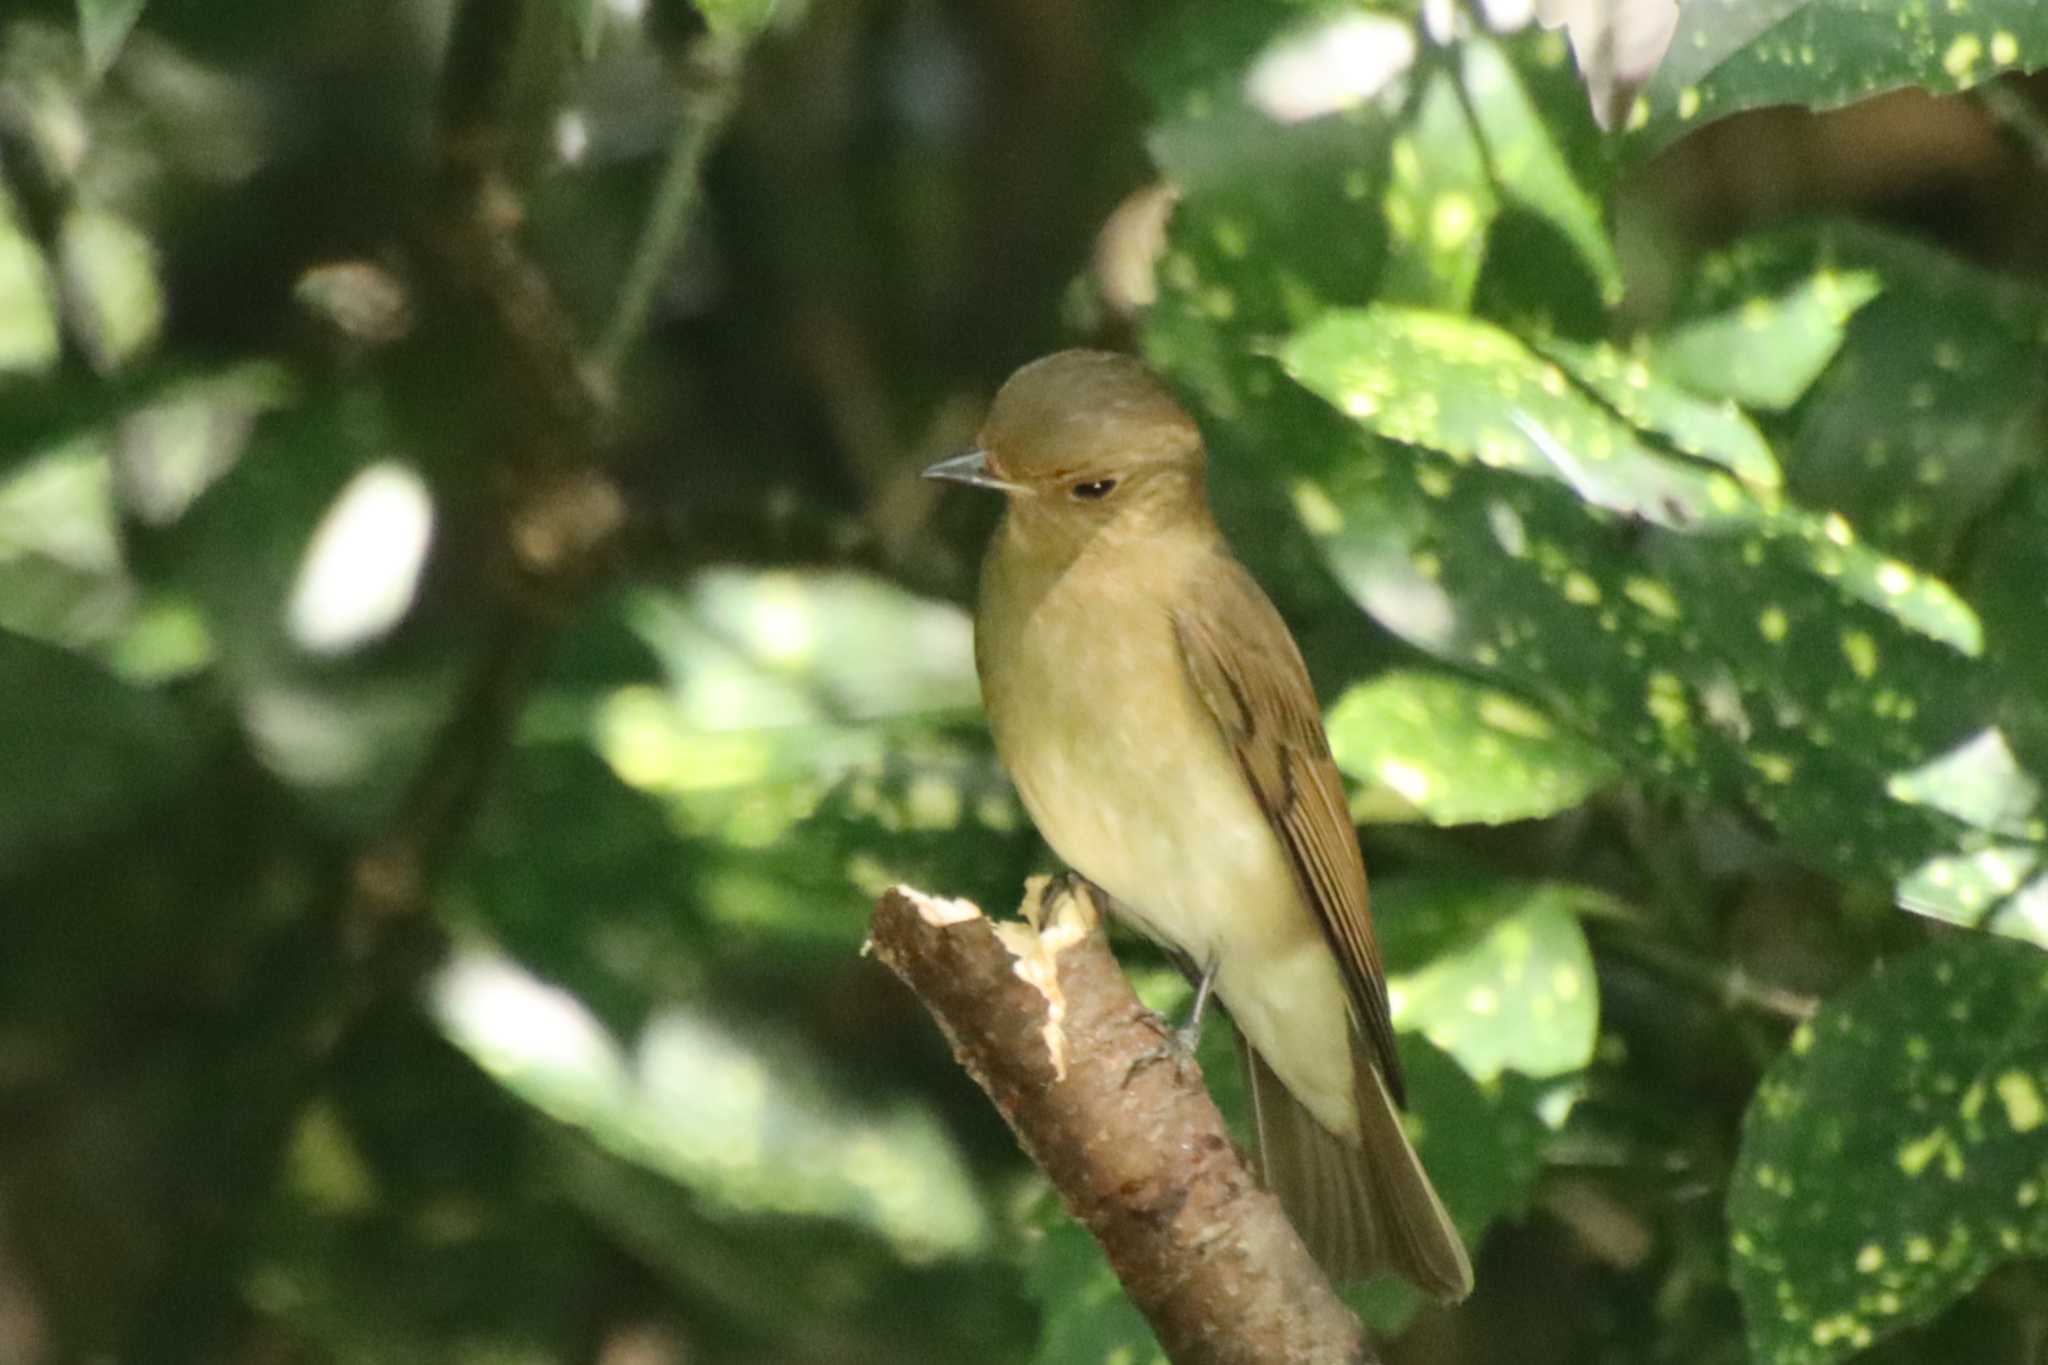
x: 1189, y: 1035
x: 1177, y: 1045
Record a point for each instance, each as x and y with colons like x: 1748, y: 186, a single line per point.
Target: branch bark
x: 1042, y: 1017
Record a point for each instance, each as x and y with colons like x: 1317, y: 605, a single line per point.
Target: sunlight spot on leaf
x: 2022, y: 1100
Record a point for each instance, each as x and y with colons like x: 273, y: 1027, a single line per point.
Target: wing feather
x: 1246, y: 668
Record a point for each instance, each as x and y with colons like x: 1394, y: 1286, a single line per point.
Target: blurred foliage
x: 438, y: 832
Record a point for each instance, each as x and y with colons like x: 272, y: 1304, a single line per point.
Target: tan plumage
x: 1164, y: 735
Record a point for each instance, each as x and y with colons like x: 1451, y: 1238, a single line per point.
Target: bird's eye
x: 1093, y: 491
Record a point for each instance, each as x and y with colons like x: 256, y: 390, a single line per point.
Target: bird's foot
x: 1175, y: 1047
x: 1178, y: 1045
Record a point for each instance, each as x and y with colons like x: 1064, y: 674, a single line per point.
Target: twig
x: 710, y: 82
x: 1044, y: 1020
x: 1729, y: 986
x: 475, y: 234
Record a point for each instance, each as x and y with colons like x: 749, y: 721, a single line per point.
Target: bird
x: 1159, y: 724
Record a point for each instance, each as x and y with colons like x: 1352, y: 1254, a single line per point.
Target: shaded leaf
x: 1896, y: 1152
x: 1822, y: 54
x: 1438, y: 204
x: 1460, y: 752
x: 1761, y: 342
x: 1936, y: 398
x: 81, y: 751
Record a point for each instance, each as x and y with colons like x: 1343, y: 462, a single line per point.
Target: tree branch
x: 1041, y: 1016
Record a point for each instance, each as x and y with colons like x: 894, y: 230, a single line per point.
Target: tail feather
x: 1365, y: 1209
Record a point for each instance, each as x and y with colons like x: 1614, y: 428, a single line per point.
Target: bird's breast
x: 1127, y: 776
x: 1125, y: 773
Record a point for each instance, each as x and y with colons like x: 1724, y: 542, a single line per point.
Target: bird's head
x: 1081, y: 439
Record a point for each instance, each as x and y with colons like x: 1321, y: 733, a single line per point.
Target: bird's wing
x: 1246, y: 669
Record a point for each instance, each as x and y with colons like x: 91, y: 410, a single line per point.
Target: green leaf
x: 1460, y: 752
x: 29, y: 339
x: 1980, y: 783
x: 1761, y: 344
x: 1735, y: 642
x: 586, y: 21
x: 741, y: 1120
x: 1439, y: 203
x: 1896, y: 1152
x: 1532, y: 167
x: 82, y: 750
x: 1935, y: 399
x: 1822, y: 54
x: 103, y: 26
x: 110, y: 280
x: 1706, y: 430
x: 818, y: 734
x: 744, y: 19
x: 1475, y: 393
x: 1495, y: 973
x: 1982, y: 890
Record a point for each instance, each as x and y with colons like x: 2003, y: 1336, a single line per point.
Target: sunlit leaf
x: 725, y: 1112
x: 29, y: 339
x: 1822, y: 54
x: 1462, y: 753
x: 1490, y: 558
x: 1982, y: 890
x: 1716, y: 431
x: 1531, y: 165
x: 1896, y: 1152
x: 103, y: 26
x: 109, y: 272
x: 1979, y: 783
x: 1475, y: 393
x: 1497, y: 974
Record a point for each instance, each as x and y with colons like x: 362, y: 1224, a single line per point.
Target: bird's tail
x: 1365, y: 1209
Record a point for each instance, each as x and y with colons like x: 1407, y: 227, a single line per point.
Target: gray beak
x: 972, y: 470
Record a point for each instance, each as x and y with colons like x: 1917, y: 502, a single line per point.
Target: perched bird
x: 1164, y: 735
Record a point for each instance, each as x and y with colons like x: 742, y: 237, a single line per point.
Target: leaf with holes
x: 1896, y: 1152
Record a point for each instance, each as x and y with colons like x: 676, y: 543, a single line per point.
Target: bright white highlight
x: 1331, y: 67
x: 362, y: 567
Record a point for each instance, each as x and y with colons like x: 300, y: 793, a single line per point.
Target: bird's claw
x: 1176, y: 1046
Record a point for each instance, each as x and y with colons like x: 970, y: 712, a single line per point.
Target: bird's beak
x: 972, y: 469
